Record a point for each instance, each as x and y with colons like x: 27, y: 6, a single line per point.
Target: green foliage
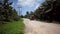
x: 48, y: 11
x: 7, y: 13
x: 22, y: 16
x: 28, y: 15
x: 14, y: 27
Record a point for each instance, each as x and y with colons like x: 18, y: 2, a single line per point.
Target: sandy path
x: 36, y: 27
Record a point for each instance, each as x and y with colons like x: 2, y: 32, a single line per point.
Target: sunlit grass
x: 14, y: 27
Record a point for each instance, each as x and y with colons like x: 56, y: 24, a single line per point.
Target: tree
x: 27, y: 15
x: 6, y: 11
x: 50, y: 10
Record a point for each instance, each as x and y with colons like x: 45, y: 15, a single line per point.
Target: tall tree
x: 6, y: 11
x: 50, y: 10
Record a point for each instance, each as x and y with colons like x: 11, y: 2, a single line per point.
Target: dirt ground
x: 37, y: 27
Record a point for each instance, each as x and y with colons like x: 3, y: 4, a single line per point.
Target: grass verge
x: 14, y: 27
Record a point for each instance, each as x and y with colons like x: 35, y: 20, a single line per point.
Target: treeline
x: 48, y: 11
x: 28, y: 14
x: 7, y: 13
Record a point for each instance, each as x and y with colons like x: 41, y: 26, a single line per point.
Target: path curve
x: 36, y: 27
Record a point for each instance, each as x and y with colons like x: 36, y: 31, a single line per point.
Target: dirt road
x: 36, y: 27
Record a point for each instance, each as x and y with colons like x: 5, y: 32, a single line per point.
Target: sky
x: 26, y: 5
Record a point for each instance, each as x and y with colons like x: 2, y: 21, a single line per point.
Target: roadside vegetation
x: 10, y: 22
x: 48, y: 11
x: 14, y: 27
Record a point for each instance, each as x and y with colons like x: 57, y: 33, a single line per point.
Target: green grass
x: 14, y: 27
